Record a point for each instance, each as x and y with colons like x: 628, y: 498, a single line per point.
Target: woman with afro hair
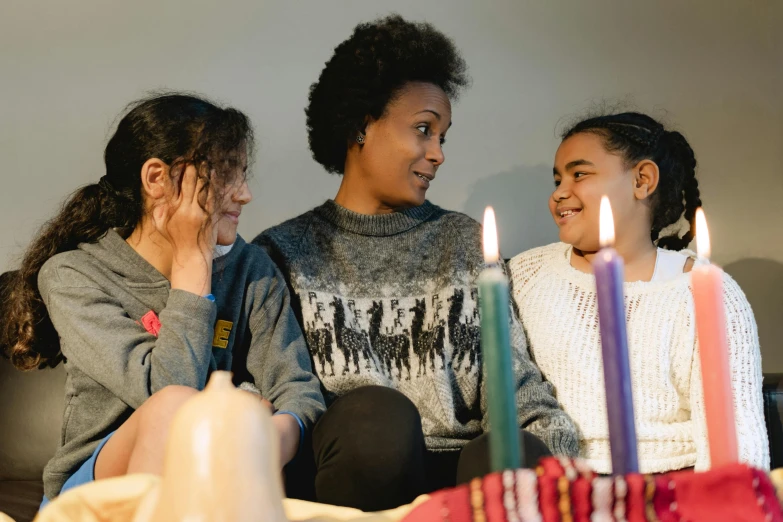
x: 384, y: 283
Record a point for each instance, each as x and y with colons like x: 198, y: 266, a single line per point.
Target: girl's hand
x: 190, y: 231
x: 183, y: 222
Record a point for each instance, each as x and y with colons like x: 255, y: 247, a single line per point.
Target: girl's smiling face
x: 583, y: 172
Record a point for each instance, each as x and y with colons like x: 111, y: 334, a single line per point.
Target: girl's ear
x: 646, y: 177
x: 155, y: 179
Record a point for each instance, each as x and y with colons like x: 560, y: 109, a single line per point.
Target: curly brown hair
x: 179, y: 129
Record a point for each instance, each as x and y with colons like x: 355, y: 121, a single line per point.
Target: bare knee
x: 161, y: 407
x: 138, y: 445
x: 173, y: 393
x: 171, y: 396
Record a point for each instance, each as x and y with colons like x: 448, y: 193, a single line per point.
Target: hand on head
x: 187, y: 219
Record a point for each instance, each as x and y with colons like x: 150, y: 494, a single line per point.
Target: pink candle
x: 707, y: 281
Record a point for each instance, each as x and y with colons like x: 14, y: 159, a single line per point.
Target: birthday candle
x: 707, y: 282
x: 504, y: 445
x: 608, y: 269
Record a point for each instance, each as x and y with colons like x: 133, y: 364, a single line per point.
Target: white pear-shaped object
x: 222, y: 460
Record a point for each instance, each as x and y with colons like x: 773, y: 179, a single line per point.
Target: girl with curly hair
x: 384, y: 282
x: 649, y: 175
x: 141, y: 285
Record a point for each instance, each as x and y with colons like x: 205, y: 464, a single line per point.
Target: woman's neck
x: 151, y: 246
x: 354, y: 196
x: 639, y: 257
x: 353, y: 193
x: 360, y: 203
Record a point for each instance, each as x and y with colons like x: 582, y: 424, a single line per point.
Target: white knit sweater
x: 557, y: 304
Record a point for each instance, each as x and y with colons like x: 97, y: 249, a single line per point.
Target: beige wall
x: 713, y: 69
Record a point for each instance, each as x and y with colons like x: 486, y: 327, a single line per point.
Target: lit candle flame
x: 491, y: 253
x: 606, y: 224
x: 702, y: 235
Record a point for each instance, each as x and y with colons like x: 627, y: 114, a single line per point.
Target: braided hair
x: 636, y: 137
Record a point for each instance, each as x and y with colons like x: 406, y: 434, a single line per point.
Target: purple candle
x: 609, y: 275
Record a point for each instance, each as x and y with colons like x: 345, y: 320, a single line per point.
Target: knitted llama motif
x: 416, y: 344
x: 393, y: 336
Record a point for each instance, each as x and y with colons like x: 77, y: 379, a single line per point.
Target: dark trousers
x: 368, y: 452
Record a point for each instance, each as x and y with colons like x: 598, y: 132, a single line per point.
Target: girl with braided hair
x: 649, y: 175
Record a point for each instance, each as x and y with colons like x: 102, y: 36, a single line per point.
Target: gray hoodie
x: 97, y: 296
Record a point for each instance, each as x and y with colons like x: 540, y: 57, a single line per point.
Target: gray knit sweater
x: 390, y: 300
x: 97, y: 297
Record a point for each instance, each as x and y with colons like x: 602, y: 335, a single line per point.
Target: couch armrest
x: 773, y: 413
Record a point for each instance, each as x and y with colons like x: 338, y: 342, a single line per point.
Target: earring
x: 360, y: 139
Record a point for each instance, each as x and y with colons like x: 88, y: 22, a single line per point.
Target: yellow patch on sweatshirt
x: 222, y: 333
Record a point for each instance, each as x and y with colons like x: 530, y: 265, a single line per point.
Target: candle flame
x: 702, y: 235
x: 491, y: 253
x: 606, y: 224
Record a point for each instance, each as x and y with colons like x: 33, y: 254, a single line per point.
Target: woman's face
x: 404, y: 148
x: 583, y: 172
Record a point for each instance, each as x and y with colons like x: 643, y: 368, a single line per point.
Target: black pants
x: 368, y: 452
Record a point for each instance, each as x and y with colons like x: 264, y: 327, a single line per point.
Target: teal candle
x: 504, y: 446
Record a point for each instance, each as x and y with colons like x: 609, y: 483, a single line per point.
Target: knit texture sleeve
x: 537, y: 409
x: 278, y: 358
x: 746, y: 383
x: 746, y: 376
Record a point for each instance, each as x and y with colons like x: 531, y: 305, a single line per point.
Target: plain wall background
x: 712, y: 69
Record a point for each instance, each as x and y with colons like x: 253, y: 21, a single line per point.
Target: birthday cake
x: 564, y: 490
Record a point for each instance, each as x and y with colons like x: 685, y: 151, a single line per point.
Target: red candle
x: 707, y: 282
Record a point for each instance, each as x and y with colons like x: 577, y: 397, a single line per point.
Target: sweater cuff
x: 559, y: 436
x: 193, y: 306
